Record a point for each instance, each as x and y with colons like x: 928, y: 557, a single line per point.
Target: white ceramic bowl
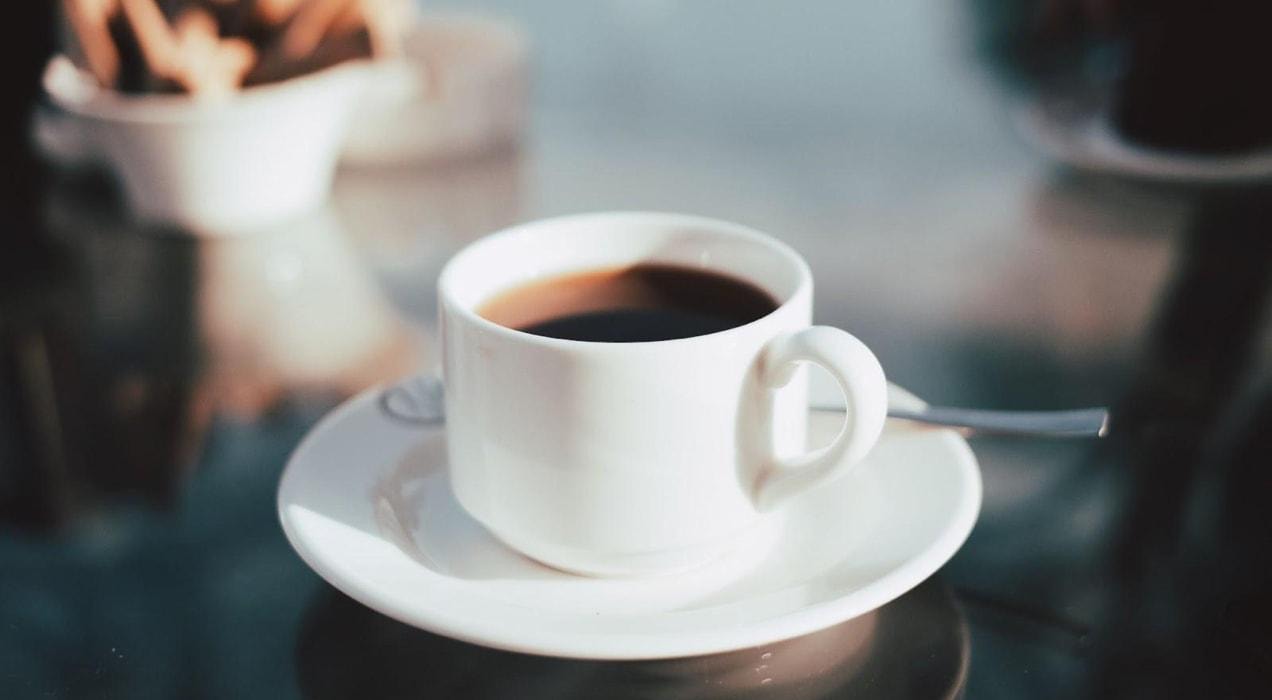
x: 225, y: 166
x: 460, y: 87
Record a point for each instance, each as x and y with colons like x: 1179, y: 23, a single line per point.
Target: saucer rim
x: 1090, y: 143
x: 616, y: 646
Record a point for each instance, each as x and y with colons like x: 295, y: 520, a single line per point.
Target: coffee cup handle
x: 865, y: 390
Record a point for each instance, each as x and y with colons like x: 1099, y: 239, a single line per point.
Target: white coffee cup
x: 620, y: 459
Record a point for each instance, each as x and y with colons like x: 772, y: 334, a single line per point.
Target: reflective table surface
x: 153, y: 384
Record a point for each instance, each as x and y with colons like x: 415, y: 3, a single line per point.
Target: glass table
x: 153, y: 384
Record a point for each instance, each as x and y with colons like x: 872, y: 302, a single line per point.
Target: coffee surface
x: 644, y: 302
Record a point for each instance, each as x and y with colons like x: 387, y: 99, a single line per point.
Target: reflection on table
x: 122, y: 343
x: 916, y: 646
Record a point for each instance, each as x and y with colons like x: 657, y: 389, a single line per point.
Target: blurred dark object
x: 1191, y: 561
x: 29, y: 38
x: 1173, y: 75
x: 34, y: 304
x: 99, y: 371
x: 1195, y: 78
x: 120, y: 346
x: 1031, y: 44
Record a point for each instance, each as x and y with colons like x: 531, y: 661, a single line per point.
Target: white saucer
x: 365, y: 500
x: 1077, y: 130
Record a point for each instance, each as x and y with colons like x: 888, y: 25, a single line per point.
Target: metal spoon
x: 418, y: 400
x: 1079, y: 423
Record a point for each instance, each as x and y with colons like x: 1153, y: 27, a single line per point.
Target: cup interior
x: 583, y: 242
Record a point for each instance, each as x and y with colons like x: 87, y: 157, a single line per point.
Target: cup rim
x: 447, y: 300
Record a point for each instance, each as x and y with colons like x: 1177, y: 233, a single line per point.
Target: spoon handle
x: 1080, y: 423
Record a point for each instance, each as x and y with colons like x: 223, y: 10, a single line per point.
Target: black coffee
x: 630, y: 304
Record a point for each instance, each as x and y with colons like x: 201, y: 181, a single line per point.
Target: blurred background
x: 1018, y: 204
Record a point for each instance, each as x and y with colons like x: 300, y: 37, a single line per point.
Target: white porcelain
x: 1078, y: 131
x: 624, y: 459
x: 366, y: 501
x: 460, y: 87
x: 215, y: 166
